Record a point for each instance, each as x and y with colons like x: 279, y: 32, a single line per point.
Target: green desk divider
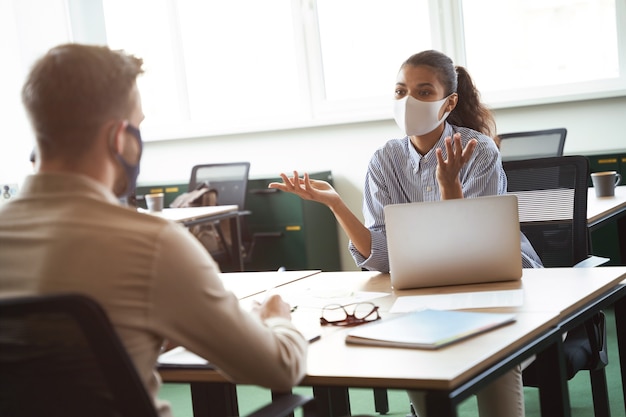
x: 289, y: 232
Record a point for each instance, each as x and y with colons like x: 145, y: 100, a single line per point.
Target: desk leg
x: 214, y: 399
x: 621, y: 232
x: 235, y: 236
x: 620, y: 326
x: 553, y: 391
x: 278, y: 394
x: 332, y: 401
x: 381, y: 400
x: 599, y: 393
x: 439, y: 404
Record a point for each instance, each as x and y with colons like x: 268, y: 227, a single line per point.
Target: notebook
x: 427, y: 329
x: 453, y: 242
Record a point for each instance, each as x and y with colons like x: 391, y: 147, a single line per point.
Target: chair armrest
x: 592, y: 261
x: 284, y: 405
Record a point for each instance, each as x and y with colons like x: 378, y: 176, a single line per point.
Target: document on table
x: 459, y: 301
x: 181, y: 357
x: 319, y: 298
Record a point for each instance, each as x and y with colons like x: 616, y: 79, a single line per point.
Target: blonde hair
x: 74, y: 89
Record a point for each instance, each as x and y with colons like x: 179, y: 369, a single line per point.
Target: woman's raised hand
x: 448, y: 170
x: 307, y: 188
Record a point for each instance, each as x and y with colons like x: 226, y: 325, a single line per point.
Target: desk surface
x: 563, y: 290
x: 331, y: 362
x: 248, y: 284
x: 186, y: 214
x: 601, y: 208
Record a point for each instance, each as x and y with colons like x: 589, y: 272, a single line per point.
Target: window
x: 361, y: 47
x: 235, y: 66
x: 240, y: 65
x: 20, y: 46
x: 212, y: 66
x: 543, y: 50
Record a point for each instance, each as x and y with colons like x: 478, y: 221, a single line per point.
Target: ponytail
x: 470, y: 111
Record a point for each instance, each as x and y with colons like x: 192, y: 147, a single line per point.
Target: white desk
x: 448, y: 375
x: 248, y: 284
x: 600, y: 209
x: 603, y: 210
x: 191, y: 216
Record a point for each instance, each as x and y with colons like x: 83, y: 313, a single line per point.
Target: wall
x: 594, y: 126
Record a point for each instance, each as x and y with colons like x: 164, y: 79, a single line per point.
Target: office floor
x: 362, y: 400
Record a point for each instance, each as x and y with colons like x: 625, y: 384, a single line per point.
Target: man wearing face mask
x: 66, y: 231
x: 448, y: 152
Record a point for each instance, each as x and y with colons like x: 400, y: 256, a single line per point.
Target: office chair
x: 230, y: 180
x: 230, y: 183
x: 533, y: 144
x: 61, y: 356
x: 552, y: 199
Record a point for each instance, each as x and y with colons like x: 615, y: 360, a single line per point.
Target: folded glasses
x: 349, y: 314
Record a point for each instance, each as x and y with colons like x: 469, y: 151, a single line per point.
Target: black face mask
x: 131, y: 170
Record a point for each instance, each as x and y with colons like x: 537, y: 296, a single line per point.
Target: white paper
x: 181, y: 356
x: 458, y: 301
x: 319, y: 298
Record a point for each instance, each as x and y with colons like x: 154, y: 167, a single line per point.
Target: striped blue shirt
x: 397, y: 174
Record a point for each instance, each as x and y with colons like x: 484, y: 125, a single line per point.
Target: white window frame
x: 578, y: 91
x: 447, y: 35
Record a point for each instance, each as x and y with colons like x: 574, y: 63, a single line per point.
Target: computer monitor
x: 533, y: 144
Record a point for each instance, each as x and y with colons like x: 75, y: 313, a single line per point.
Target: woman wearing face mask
x: 448, y: 153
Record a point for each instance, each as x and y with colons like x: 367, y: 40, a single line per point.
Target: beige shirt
x: 68, y: 233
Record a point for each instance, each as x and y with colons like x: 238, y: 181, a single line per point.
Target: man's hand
x: 273, y: 306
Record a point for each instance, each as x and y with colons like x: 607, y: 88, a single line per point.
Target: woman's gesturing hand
x: 448, y: 169
x: 307, y: 188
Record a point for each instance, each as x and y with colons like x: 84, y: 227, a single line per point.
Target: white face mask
x: 417, y: 118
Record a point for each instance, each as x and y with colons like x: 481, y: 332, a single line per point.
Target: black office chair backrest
x: 60, y: 356
x: 229, y: 179
x: 552, y: 200
x: 533, y: 144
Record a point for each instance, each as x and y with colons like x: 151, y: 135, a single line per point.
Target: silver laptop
x: 452, y: 242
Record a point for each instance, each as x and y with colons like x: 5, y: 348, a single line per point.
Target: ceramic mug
x: 605, y: 182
